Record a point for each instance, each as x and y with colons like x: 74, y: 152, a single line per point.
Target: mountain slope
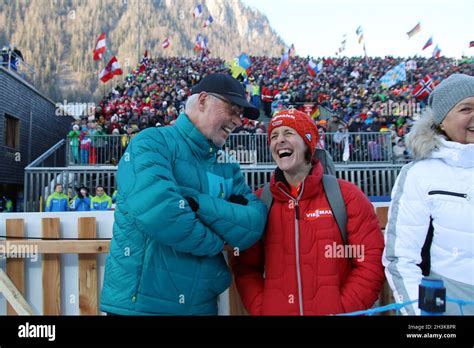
x: 56, y: 37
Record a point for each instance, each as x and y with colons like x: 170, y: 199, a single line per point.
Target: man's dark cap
x: 228, y: 87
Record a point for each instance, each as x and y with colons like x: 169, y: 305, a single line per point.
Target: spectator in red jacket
x: 267, y: 98
x: 301, y: 266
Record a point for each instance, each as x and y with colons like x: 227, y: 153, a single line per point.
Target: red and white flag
x: 100, y: 47
x: 112, y: 69
x: 166, y: 43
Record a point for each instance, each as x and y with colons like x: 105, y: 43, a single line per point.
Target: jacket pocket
x: 449, y: 193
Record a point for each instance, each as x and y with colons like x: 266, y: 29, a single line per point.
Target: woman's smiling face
x: 288, y: 149
x: 459, y: 123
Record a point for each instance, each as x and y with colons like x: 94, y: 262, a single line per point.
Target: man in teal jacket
x: 57, y: 201
x: 177, y: 205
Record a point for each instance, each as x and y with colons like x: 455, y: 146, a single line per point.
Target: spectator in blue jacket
x: 57, y: 201
x: 178, y: 203
x: 82, y: 201
x: 101, y: 201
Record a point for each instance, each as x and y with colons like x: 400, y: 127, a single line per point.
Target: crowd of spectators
x: 58, y: 201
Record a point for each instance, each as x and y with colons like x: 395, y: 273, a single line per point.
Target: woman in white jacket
x: 436, y: 192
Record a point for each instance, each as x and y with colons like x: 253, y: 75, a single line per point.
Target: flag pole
x: 366, y: 57
x: 138, y: 30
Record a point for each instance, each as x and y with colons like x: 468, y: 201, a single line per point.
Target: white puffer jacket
x: 438, y: 184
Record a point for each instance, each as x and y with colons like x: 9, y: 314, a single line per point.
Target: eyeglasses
x: 236, y: 110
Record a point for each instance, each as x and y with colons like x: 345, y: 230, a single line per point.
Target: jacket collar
x: 102, y: 198
x: 312, y: 183
x: 200, y: 146
x: 455, y: 154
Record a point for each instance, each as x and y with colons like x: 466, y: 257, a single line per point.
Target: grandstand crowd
x: 347, y: 89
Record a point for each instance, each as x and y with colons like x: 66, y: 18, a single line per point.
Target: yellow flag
x: 316, y: 113
x: 236, y: 69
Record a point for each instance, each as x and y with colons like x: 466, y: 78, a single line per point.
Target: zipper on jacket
x: 448, y: 193
x: 297, y: 211
x: 297, y: 246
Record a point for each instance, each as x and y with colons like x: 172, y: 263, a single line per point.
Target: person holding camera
x: 82, y: 201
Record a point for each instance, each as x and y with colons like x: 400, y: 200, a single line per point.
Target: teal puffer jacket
x: 164, y: 258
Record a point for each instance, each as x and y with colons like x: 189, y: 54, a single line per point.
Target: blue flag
x: 394, y: 76
x: 244, y: 61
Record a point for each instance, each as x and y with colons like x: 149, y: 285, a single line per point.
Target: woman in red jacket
x: 301, y: 266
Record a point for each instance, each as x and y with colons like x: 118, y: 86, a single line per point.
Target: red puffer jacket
x: 305, y: 270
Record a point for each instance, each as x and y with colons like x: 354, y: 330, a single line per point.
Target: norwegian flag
x: 143, y: 62
x: 424, y: 88
x: 166, y: 43
x: 100, y: 47
x: 208, y: 22
x: 112, y: 68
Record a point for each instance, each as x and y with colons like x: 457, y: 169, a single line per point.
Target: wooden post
x: 51, y: 270
x: 235, y: 303
x: 382, y: 216
x: 88, y: 276
x: 386, y: 295
x: 15, y: 266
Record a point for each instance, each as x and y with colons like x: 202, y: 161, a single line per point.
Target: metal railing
x: 102, y: 150
x: 53, y: 157
x: 247, y: 148
x: 373, y: 180
x: 40, y: 183
x: 363, y: 147
x: 10, y: 61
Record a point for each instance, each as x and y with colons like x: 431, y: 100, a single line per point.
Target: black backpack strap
x: 267, y: 197
x: 334, y: 196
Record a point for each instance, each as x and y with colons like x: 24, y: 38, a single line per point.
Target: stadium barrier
x: 251, y: 148
x: 59, y: 271
x: 373, y: 179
